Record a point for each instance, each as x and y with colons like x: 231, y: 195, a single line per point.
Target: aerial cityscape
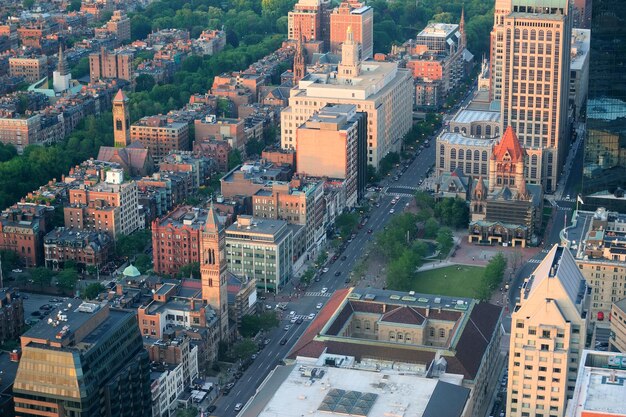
x: 329, y: 208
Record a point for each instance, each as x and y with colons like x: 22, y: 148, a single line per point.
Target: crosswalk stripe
x: 316, y: 294
x: 534, y: 261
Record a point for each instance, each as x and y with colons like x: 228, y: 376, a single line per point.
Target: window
x: 442, y: 333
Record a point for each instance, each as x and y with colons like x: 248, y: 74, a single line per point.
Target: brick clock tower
x: 121, y: 120
x: 213, y: 269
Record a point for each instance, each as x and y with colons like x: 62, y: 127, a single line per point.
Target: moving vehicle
x: 319, y: 305
x: 324, y: 290
x: 311, y: 316
x: 238, y: 406
x: 283, y: 342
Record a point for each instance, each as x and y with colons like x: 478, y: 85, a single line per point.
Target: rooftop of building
x: 595, y: 231
x: 469, y: 116
x: 373, y: 79
x: 455, y: 138
x: 442, y: 30
x: 335, y: 392
x: 600, y: 385
x: 621, y: 304
x: 70, y: 237
x: 474, y: 326
x: 559, y: 265
x: 65, y: 322
x: 581, y: 42
x: 185, y: 216
x: 249, y: 224
x: 259, y: 172
x: 9, y: 370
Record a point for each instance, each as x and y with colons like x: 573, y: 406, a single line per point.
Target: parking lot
x: 34, y: 302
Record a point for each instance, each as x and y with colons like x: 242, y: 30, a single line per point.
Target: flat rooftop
x: 600, y: 386
x: 469, y: 116
x: 458, y: 139
x: 337, y: 392
x: 256, y: 226
x: 438, y: 30
x: 580, y: 48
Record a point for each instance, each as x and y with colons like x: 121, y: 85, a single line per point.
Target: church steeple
x: 462, y: 29
x: 62, y: 65
x: 299, y: 65
x: 121, y: 120
x: 213, y: 268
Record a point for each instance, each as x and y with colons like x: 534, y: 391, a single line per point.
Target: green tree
x: 187, y: 412
x: 41, y: 276
x: 28, y: 4
x: 74, y: 6
x: 144, y: 82
x: 234, y: 158
x: 133, y: 244
x: 321, y: 258
x: 346, y: 223
x: 10, y: 261
x: 372, y: 175
x: 190, y: 270
x: 308, y: 275
x: 452, y: 212
x: 243, y: 349
x: 251, y: 324
x: 431, y: 226
x: 494, y: 271
x: 143, y: 263
x: 445, y: 240
x: 67, y: 278
x: 93, y: 290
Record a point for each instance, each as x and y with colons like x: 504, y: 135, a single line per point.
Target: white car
x: 292, y: 313
x: 392, y: 211
x: 324, y: 290
x: 319, y: 305
x: 17, y: 270
x: 293, y: 320
x: 311, y: 316
x: 238, y: 406
x: 324, y: 270
x: 568, y: 198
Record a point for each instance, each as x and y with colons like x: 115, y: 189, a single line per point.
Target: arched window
x: 525, y: 34
x: 533, y: 160
x: 540, y: 35
x: 550, y: 158
x: 476, y: 155
x: 484, y: 156
x: 549, y: 36
x: 442, y: 333
x: 407, y: 337
x: 488, y: 130
x: 392, y: 335
x: 533, y: 34
x: 497, y: 130
x: 357, y: 323
x: 479, y: 130
x: 452, y: 153
x: 461, y: 154
x: 456, y: 129
x: 468, y: 154
x: 431, y: 331
x: 442, y: 150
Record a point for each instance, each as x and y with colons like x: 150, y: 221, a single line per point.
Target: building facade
x: 11, y: 314
x: 342, y: 133
x: 86, y: 248
x: 260, y: 250
x: 31, y: 69
x: 110, y: 376
x: 105, y: 65
x: 121, y: 120
x: 358, y: 17
x: 549, y: 329
x: 604, y: 166
x: 22, y: 228
x: 617, y: 340
x: 160, y: 135
x: 530, y: 73
x: 380, y: 89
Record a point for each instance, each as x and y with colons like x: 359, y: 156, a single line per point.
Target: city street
x: 305, y: 303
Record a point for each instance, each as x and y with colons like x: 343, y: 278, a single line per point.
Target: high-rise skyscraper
x: 530, y: 79
x: 604, y: 167
x: 121, y: 120
x: 213, y: 268
x: 548, y: 334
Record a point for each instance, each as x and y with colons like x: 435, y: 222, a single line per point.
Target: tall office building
x: 358, y: 17
x: 213, y: 268
x: 305, y: 21
x: 548, y: 332
x: 604, y: 168
x: 530, y: 80
x: 86, y: 360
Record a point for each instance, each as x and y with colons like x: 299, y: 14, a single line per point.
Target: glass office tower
x: 604, y: 168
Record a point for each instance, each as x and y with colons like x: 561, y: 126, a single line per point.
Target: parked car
x: 324, y: 290
x: 319, y: 305
x: 17, y: 270
x: 299, y: 320
x: 211, y: 408
x: 287, y: 327
x: 283, y: 342
x: 311, y: 316
x: 238, y: 406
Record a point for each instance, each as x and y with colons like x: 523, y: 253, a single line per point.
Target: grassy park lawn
x: 456, y: 281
